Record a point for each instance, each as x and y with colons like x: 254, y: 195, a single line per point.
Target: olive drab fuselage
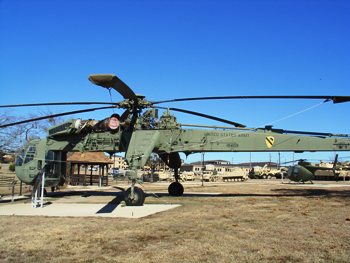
x: 164, y: 136
x: 138, y: 132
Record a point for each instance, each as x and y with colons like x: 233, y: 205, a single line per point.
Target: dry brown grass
x: 255, y: 221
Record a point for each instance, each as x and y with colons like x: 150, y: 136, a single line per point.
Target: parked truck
x: 187, y: 176
x: 208, y: 176
x: 267, y: 172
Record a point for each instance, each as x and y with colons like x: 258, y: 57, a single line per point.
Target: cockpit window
x: 19, y: 158
x: 29, y: 157
x: 30, y: 153
x: 32, y: 149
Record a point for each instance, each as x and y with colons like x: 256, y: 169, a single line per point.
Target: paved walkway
x: 83, y: 210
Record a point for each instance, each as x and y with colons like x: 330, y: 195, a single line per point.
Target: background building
x: 119, y: 162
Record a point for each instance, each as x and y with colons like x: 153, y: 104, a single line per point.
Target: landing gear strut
x: 176, y: 188
x: 134, y: 196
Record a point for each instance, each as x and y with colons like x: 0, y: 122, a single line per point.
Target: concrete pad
x: 84, y: 210
x: 9, y: 198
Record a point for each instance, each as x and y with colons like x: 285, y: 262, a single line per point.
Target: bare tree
x: 10, y: 137
x: 154, y: 162
x: 14, y: 137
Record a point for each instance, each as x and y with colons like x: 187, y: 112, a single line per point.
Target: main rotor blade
x: 335, y: 99
x: 321, y: 134
x: 125, y: 115
x: 111, y: 81
x: 57, y: 104
x: 203, y: 115
x: 55, y: 115
x: 298, y: 160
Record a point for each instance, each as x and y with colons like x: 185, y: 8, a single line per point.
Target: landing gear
x: 176, y: 188
x: 134, y: 196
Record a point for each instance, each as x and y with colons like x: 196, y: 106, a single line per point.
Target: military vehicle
x: 187, y: 176
x: 209, y: 176
x: 138, y: 131
x: 267, y: 172
x: 164, y: 175
x: 234, y: 174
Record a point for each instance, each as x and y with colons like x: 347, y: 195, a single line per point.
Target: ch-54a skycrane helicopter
x: 138, y: 132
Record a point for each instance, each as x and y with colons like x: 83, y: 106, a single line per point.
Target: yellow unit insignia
x: 269, y: 140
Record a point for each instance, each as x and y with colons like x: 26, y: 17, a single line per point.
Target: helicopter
x: 139, y: 132
x: 305, y: 171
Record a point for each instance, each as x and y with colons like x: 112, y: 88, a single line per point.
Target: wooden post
x: 91, y: 175
x: 103, y: 173
x: 106, y: 174
x: 70, y: 176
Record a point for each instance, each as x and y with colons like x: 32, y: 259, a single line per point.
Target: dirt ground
x: 252, y: 221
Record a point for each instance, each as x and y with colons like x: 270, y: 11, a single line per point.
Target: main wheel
x: 136, y: 199
x: 175, y: 189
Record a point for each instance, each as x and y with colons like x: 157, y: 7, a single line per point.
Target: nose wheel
x: 134, y: 196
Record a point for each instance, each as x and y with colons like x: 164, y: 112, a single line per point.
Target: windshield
x: 30, y: 153
x: 19, y: 158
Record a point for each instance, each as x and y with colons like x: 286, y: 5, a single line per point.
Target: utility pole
x: 202, y: 164
x: 279, y: 160
x: 250, y: 160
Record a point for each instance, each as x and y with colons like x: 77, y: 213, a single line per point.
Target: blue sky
x: 172, y: 49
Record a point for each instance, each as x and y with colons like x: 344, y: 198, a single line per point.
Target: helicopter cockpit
x: 33, y: 160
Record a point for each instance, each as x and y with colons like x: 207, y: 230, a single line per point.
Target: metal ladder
x: 38, y: 191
